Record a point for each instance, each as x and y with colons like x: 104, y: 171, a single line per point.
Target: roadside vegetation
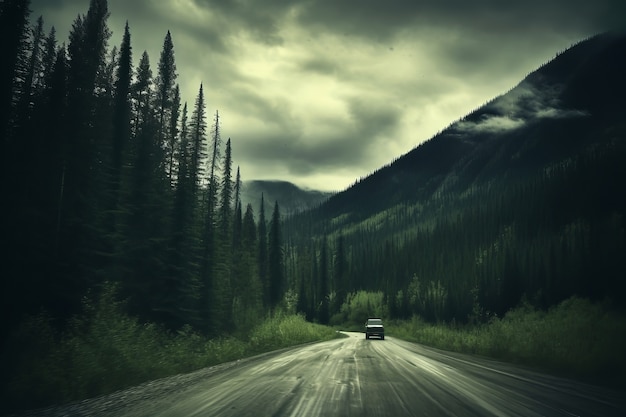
x: 576, y: 338
x: 105, y: 350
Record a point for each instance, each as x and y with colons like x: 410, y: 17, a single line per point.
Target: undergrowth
x: 577, y: 338
x: 105, y: 350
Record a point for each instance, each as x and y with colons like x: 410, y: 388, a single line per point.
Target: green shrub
x: 106, y: 350
x: 282, y: 330
x: 576, y: 338
x: 358, y: 306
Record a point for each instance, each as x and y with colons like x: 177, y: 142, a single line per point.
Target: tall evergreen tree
x: 165, y: 88
x: 121, y: 122
x: 13, y: 36
x: 223, y: 285
x: 323, y: 287
x: 262, y: 257
x: 198, y: 144
x: 81, y: 233
x: 208, y: 239
x: 48, y: 58
x: 172, y: 137
x: 146, y: 201
x: 141, y: 92
x: 226, y: 197
x: 248, y: 300
x: 340, y: 286
x: 183, y: 280
x: 13, y: 23
x: 237, y: 218
x: 275, y: 259
x: 29, y: 78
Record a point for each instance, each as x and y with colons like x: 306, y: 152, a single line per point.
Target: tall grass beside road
x: 577, y: 338
x: 105, y: 350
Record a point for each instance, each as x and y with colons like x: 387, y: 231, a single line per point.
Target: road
x: 352, y: 376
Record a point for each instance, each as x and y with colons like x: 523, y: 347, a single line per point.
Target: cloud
x: 490, y: 124
x: 321, y: 92
x: 519, y: 106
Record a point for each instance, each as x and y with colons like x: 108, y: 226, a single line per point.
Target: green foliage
x: 282, y: 330
x: 359, y: 306
x: 576, y: 338
x: 104, y: 350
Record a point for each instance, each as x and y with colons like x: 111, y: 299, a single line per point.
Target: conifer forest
x: 113, y: 180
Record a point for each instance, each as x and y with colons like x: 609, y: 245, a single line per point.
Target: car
x: 374, y: 327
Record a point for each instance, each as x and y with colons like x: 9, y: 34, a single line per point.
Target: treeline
x: 476, y: 246
x: 110, y: 176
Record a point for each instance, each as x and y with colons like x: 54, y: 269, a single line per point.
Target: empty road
x: 352, y: 376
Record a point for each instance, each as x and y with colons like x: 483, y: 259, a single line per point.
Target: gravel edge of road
x: 119, y: 400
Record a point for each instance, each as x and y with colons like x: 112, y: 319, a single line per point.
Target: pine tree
x: 248, y: 301
x: 13, y: 23
x: 30, y: 80
x: 226, y: 198
x: 223, y: 282
x: 237, y: 218
x: 81, y: 230
x: 48, y: 59
x: 172, y: 138
x: 262, y: 257
x: 340, y: 286
x: 208, y: 238
x: 121, y: 123
x: 183, y: 280
x: 146, y: 207
x: 275, y: 259
x: 165, y: 82
x: 198, y: 144
x: 141, y: 92
x: 13, y: 36
x: 323, y: 290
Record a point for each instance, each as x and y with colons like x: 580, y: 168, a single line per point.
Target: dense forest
x: 114, y: 179
x: 479, y: 218
x: 124, y: 224
x: 111, y: 177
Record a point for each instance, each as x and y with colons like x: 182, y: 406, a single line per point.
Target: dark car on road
x: 374, y: 327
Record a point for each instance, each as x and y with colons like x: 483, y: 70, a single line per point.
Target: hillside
x: 291, y: 198
x: 521, y: 198
x: 514, y: 133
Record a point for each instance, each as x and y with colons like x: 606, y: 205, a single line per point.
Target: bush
x: 105, y: 350
x: 576, y: 338
x: 359, y: 306
x: 283, y: 330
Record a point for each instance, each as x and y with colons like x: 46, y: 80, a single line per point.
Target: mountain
x: 291, y: 198
x: 523, y: 197
x: 552, y: 114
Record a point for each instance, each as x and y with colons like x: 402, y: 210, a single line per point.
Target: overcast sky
x: 323, y: 92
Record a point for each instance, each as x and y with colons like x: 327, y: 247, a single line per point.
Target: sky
x: 322, y: 93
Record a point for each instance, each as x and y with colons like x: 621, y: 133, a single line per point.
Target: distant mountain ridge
x: 291, y: 198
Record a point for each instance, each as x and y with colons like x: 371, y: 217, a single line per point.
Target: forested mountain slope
x: 522, y: 197
x: 292, y: 199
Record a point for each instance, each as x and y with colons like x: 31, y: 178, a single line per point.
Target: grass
x: 106, y: 350
x: 577, y: 338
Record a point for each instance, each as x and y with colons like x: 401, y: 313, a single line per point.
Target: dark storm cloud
x: 321, y: 92
x: 337, y: 144
x: 377, y: 19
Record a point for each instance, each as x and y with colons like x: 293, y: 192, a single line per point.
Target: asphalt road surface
x: 352, y: 376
